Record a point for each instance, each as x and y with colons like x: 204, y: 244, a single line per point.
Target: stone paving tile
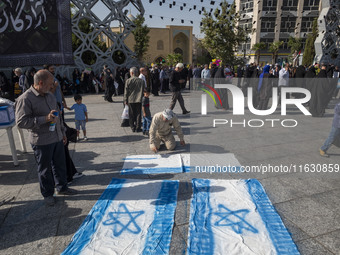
x: 29, y: 238
x: 310, y: 215
x: 296, y: 233
x: 331, y: 241
x: 178, y: 243
x: 311, y: 247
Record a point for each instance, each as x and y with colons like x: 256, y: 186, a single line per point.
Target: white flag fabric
x: 235, y: 217
x: 180, y: 163
x: 131, y: 217
x: 152, y: 164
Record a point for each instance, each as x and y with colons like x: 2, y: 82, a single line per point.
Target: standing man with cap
x: 160, y: 130
x: 175, y: 87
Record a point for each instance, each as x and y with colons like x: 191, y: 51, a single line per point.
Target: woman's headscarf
x: 265, y: 70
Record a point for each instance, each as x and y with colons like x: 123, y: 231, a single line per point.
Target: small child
x: 80, y: 115
x: 146, y: 113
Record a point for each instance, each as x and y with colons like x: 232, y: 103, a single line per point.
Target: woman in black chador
x: 319, y: 88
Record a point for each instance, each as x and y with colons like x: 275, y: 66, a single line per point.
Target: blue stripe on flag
x: 205, y: 169
x: 188, y: 169
x: 138, y: 158
x: 158, y: 170
x: 278, y: 233
x: 160, y: 231
x: 201, y: 239
x: 90, y: 224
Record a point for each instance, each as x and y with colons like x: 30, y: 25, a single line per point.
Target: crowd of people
x: 263, y: 78
x: 110, y: 80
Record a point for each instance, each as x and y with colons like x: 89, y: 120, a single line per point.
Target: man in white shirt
x: 143, y: 73
x: 205, y: 72
x: 284, y: 79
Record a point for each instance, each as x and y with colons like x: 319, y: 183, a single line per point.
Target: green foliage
x: 294, y: 44
x: 222, y: 35
x: 257, y: 47
x: 141, y: 37
x: 309, y: 52
x: 274, y: 49
x: 205, y: 59
x: 173, y: 59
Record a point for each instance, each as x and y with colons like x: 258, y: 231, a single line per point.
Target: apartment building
x: 275, y: 20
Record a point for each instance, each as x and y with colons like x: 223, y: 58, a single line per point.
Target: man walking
x: 37, y: 110
x: 133, y: 95
x: 175, y: 87
x: 335, y: 131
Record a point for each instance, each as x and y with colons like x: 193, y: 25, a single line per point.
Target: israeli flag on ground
x: 152, y: 164
x: 235, y: 217
x: 131, y: 217
x: 180, y: 163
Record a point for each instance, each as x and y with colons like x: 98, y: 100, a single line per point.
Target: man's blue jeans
x: 331, y: 137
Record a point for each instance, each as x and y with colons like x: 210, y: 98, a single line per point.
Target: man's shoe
x: 186, y: 112
x: 323, y: 153
x: 139, y: 130
x: 67, y: 192
x: 85, y: 138
x: 49, y: 201
x: 77, y: 175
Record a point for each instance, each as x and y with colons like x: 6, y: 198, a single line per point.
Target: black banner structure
x: 35, y: 32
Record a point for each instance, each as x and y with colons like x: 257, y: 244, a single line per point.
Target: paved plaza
x: 308, y: 203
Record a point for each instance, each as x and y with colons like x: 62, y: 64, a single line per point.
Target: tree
x: 274, y: 49
x: 141, y: 37
x: 295, y: 44
x: 222, y: 35
x: 257, y: 47
x: 173, y: 59
x: 204, y: 59
x: 309, y: 51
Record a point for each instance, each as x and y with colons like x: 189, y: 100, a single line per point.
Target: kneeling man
x: 160, y: 130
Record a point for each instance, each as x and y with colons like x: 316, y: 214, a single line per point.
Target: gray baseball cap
x: 168, y: 114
